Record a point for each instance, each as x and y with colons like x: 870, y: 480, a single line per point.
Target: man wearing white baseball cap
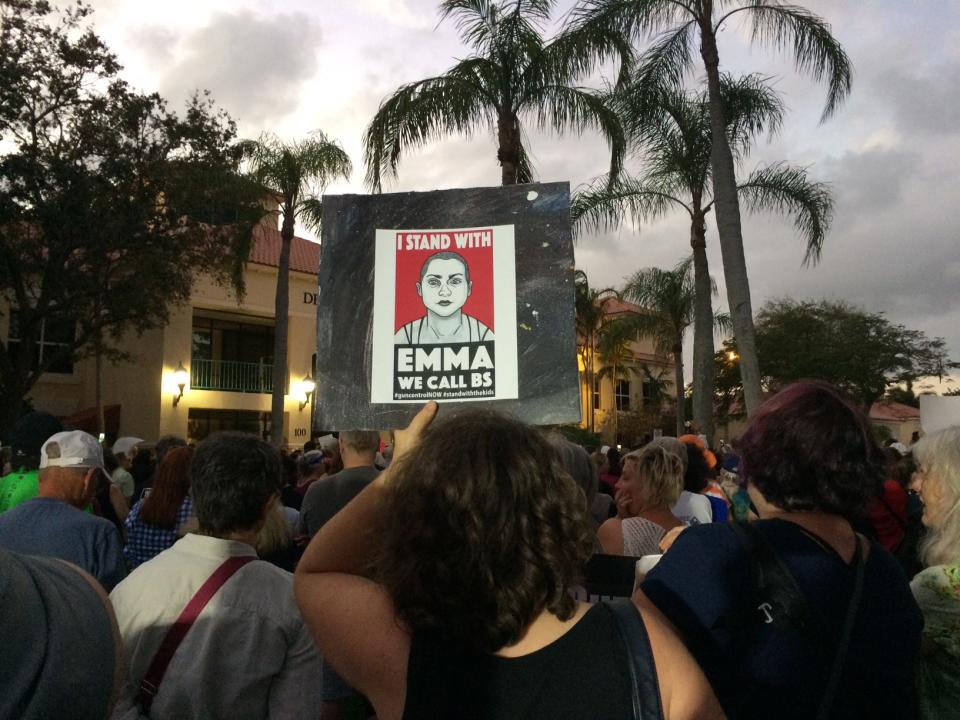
x: 54, y: 524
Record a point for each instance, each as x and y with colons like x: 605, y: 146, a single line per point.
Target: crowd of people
x: 444, y: 572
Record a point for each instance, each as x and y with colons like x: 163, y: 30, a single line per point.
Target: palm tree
x: 296, y: 172
x: 667, y: 298
x: 511, y: 75
x: 671, y: 130
x: 676, y: 25
x: 589, y: 309
x: 615, y: 356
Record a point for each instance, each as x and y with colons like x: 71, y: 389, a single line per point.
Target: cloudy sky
x: 891, y: 153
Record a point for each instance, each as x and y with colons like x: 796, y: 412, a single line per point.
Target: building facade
x: 628, y: 394
x: 224, y: 344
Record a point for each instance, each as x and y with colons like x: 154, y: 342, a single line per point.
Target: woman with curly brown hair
x: 796, y: 615
x: 443, y: 589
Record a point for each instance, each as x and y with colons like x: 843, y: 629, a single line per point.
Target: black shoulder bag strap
x: 643, y: 672
x: 785, y: 607
x: 778, y: 599
x: 841, y: 655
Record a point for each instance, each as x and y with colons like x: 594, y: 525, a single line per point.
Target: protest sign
x: 461, y: 296
x: 937, y: 413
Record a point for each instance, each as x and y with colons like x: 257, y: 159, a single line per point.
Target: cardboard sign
x: 460, y: 296
x: 938, y: 413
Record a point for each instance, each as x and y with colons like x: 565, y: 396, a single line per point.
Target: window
x: 55, y: 337
x: 232, y: 353
x: 596, y: 393
x: 623, y: 395
x: 202, y: 422
x: 219, y: 336
x: 646, y: 389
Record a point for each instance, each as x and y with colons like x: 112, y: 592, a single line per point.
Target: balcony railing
x: 231, y: 376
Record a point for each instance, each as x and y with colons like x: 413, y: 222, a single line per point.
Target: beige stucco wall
x: 145, y: 388
x: 642, y: 351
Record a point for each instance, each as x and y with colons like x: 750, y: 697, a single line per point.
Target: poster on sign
x: 465, y: 297
x: 445, y: 313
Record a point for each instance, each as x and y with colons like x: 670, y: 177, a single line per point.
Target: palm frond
x: 632, y: 20
x: 751, y: 107
x: 577, y: 52
x: 474, y: 19
x: 807, y: 37
x: 668, y: 60
x: 668, y: 296
x: 423, y: 111
x: 722, y: 322
x: 525, y: 172
x: 601, y: 206
x: 788, y: 189
x: 298, y: 168
x: 559, y: 107
x: 311, y: 212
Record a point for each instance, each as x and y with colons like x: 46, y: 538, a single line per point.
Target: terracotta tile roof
x: 613, y: 306
x: 304, y: 255
x: 893, y: 411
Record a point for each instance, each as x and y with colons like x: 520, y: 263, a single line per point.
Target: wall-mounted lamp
x: 180, y: 378
x: 307, y: 386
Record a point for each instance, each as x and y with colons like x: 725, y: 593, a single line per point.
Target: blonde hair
x: 939, y: 454
x: 600, y: 461
x: 274, y: 536
x: 660, y: 471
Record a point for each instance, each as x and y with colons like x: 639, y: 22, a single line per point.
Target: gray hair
x: 939, y: 454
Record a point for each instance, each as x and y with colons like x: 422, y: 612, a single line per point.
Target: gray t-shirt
x: 45, y: 526
x: 328, y: 496
x: 58, y: 643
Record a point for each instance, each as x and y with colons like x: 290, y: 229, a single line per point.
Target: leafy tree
x: 670, y: 130
x: 512, y: 77
x: 296, y: 172
x: 859, y: 351
x: 110, y: 204
x: 676, y: 26
x: 953, y: 392
x: 903, y: 395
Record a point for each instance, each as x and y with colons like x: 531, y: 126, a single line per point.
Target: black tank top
x: 582, y: 675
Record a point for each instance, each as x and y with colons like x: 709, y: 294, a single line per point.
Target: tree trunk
x: 616, y: 408
x: 508, y: 152
x: 678, y: 379
x: 702, y: 329
x: 281, y: 324
x: 728, y: 227
x: 98, y: 384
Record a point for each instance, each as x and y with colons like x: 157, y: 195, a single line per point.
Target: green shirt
x: 16, y: 487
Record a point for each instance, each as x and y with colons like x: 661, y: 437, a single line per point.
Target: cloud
x: 254, y: 66
x: 924, y: 101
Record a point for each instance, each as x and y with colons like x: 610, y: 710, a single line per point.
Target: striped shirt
x: 419, y: 332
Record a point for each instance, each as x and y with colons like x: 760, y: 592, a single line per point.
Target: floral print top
x: 937, y: 591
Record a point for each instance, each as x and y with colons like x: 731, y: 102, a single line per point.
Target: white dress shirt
x: 248, y: 655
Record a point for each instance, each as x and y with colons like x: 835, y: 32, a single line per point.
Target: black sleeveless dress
x: 583, y: 674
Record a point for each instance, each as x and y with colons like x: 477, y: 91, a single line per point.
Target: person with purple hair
x: 796, y: 615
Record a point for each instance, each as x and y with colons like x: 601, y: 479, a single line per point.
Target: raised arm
x: 351, y: 617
